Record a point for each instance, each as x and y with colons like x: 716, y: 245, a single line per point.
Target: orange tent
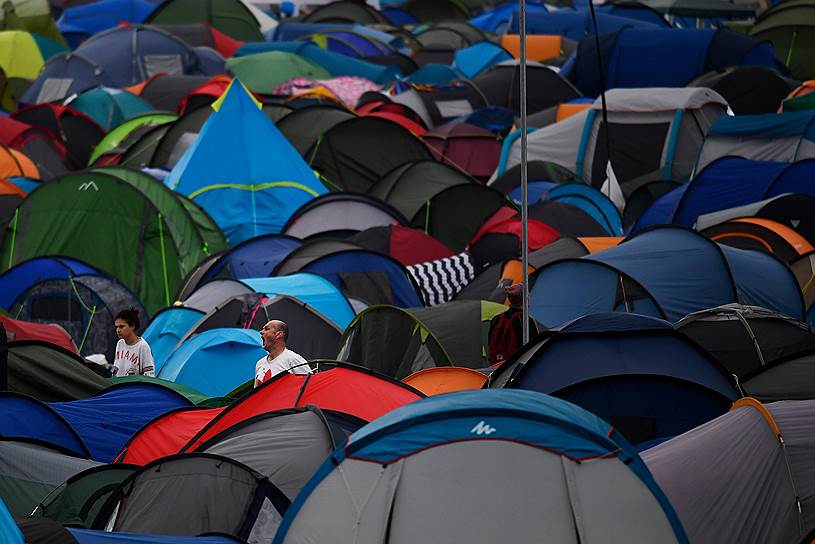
x: 538, y: 47
x: 445, y: 379
x: 15, y: 164
x: 764, y: 234
x: 599, y: 243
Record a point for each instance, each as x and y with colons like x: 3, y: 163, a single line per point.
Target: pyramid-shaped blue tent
x: 243, y: 171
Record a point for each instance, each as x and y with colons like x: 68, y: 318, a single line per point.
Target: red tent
x: 468, y: 147
x: 17, y: 330
x: 506, y: 221
x: 345, y: 388
x: 406, y: 245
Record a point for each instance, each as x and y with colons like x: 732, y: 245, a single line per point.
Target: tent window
x: 636, y: 150
x: 56, y: 308
x: 54, y: 88
x: 155, y: 64
x: 454, y: 108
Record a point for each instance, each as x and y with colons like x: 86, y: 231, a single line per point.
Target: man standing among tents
x: 274, y: 336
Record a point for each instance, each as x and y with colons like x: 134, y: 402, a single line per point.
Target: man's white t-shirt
x: 135, y: 359
x: 286, y: 361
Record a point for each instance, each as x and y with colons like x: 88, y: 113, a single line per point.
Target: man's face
x: 269, y: 334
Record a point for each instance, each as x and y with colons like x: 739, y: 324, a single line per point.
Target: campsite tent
x: 232, y: 17
x: 762, y: 235
x: 406, y: 245
x: 624, y: 368
x: 748, y: 89
x: 789, y: 378
x: 583, y: 469
x: 787, y: 25
x: 18, y: 330
x: 339, y: 214
x: 501, y: 83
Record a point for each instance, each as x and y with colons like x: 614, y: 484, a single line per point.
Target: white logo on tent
x: 88, y: 185
x: 482, y: 428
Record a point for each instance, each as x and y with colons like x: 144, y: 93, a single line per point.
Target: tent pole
x: 524, y: 188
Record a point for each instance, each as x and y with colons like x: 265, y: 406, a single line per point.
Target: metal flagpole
x: 524, y: 188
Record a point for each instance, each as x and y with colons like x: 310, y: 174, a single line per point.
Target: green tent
x: 263, y: 72
x: 790, y: 26
x: 32, y: 16
x: 67, y: 377
x: 118, y: 135
x: 76, y: 502
x: 121, y: 221
x: 231, y: 17
x: 398, y: 341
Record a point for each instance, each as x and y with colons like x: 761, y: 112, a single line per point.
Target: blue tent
x: 591, y: 201
x: 498, y: 19
x: 109, y: 107
x: 635, y: 372
x: 243, y: 171
x: 167, y: 329
x: 107, y: 420
x: 381, y: 272
x: 480, y: 56
x: 253, y: 258
x: 406, y: 456
x: 664, y: 57
x: 435, y: 74
x: 632, y: 10
x: 27, y: 418
x: 75, y: 74
x: 22, y: 277
x: 317, y: 292
x: 353, y: 44
x: 85, y: 536
x: 336, y: 63
x: 576, y: 25
x: 216, y: 361
x: 77, y: 23
x: 9, y: 533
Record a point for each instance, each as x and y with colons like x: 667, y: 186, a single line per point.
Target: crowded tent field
x: 398, y: 271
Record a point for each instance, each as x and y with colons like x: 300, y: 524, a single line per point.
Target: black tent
x: 305, y: 126
x: 340, y: 215
x: 748, y: 89
x: 501, y: 87
x: 75, y: 130
x: 568, y: 219
x: 790, y: 378
x: 346, y: 11
x: 536, y: 171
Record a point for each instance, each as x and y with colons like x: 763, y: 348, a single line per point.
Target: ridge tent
x: 753, y: 447
x: 399, y: 341
x: 583, y: 469
x: 343, y: 155
x: 215, y: 361
x: 24, y: 482
x: 624, y: 368
x: 780, y: 137
x: 501, y: 83
x: 77, y: 297
x: 305, y: 126
x: 788, y: 26
x: 746, y: 338
x: 761, y: 235
x: 407, y: 245
x: 350, y: 389
x: 340, y: 214
x: 663, y: 57
x: 748, y: 90
x: 193, y: 494
x: 68, y: 376
x: 166, y: 330
x: 232, y: 17
x: 653, y: 131
x: 274, y: 180
x: 286, y: 446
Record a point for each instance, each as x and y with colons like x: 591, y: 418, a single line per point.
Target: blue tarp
x: 243, y: 171
x: 25, y: 417
x: 17, y: 280
x: 166, y: 329
x: 317, y: 292
x: 522, y: 416
x: 332, y: 267
x: 106, y: 421
x: 254, y: 258
x: 9, y: 533
x: 84, y: 536
x: 216, y: 361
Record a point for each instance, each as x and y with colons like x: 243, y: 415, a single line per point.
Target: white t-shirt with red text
x: 135, y: 359
x: 286, y: 361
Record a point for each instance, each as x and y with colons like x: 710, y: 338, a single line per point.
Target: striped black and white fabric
x: 443, y: 279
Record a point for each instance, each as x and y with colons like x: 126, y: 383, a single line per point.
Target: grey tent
x: 28, y: 472
x: 747, y: 476
x: 746, y: 338
x: 195, y: 493
x: 341, y: 214
x: 656, y: 131
x: 210, y: 295
x: 286, y: 446
x: 791, y: 378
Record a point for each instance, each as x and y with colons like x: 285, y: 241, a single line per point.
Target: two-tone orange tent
x: 762, y: 234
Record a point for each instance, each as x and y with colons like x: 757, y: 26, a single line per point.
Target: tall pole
x: 524, y: 188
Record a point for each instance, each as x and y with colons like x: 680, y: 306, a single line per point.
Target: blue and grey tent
x: 264, y: 181
x: 635, y: 372
x: 215, y: 361
x: 780, y: 137
x: 585, y: 197
x: 64, y: 75
x: 167, y: 329
x: 572, y: 478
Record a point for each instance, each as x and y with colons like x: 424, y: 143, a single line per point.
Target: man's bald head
x: 281, y: 326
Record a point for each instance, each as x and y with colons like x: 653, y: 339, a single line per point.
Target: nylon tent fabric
x: 77, y: 132
x: 220, y: 496
x: 199, y: 34
x: 317, y: 292
x: 392, y: 461
x: 170, y: 92
x: 305, y: 126
x: 68, y: 378
x: 36, y: 144
x: 28, y: 419
x: 566, y: 218
x: 536, y: 171
x: 760, y: 235
x: 122, y: 133
x: 28, y: 472
x: 746, y: 338
x: 253, y: 258
x: 264, y: 186
x: 734, y: 455
x: 499, y: 85
x: 166, y: 330
x: 215, y: 361
x: 18, y: 330
x: 343, y: 388
x: 8, y: 529
x: 77, y: 501
x: 80, y: 22
x: 264, y: 72
x: 24, y: 55
x: 748, y: 89
x: 344, y: 212
x: 787, y: 27
x: 64, y: 75
x: 342, y: 156
x: 232, y: 17
x: 573, y: 362
x: 590, y: 200
x: 195, y: 397
x: 109, y: 107
x: 406, y: 245
x: 102, y: 537
x: 209, y: 295
x: 345, y: 12
x: 785, y: 379
x: 473, y: 149
x: 286, y: 446
x: 440, y: 380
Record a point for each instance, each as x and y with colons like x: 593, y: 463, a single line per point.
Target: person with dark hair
x: 274, y: 336
x: 133, y: 355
